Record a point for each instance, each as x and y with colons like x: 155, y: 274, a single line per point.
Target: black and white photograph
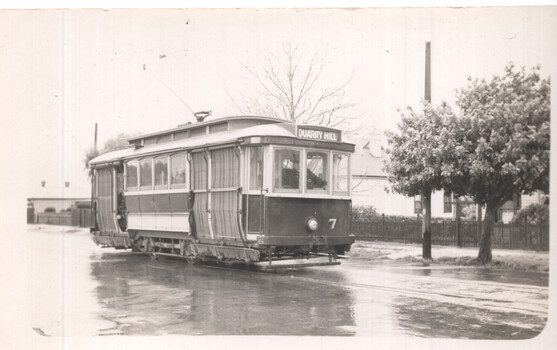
x: 361, y: 177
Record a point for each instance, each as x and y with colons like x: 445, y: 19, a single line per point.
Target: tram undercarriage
x: 183, y: 246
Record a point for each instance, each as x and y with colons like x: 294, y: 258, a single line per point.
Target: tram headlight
x: 312, y: 224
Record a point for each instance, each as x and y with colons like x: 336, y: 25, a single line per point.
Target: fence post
x: 458, y: 233
x: 538, y: 231
x: 525, y: 233
x: 383, y: 227
x: 479, y: 225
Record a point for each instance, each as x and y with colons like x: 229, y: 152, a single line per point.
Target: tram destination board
x: 318, y: 133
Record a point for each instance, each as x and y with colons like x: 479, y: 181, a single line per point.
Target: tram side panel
x: 158, y: 212
x: 283, y: 222
x: 287, y: 219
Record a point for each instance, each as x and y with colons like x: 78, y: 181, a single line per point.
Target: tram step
x: 293, y: 263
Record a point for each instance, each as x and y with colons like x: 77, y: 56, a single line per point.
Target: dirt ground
x: 507, y: 259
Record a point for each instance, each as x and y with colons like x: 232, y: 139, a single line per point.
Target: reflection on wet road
x: 144, y: 296
x: 81, y: 289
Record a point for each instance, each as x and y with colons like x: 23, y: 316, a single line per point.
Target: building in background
x: 371, y: 188
x: 60, y: 198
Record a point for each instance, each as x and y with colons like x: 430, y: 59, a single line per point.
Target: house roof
x: 60, y: 192
x: 366, y: 164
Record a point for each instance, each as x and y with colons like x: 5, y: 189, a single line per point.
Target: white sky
x: 62, y: 71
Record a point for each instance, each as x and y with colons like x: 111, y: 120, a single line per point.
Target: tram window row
x: 323, y: 172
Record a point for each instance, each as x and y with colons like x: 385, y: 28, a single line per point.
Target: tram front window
x: 340, y: 173
x: 287, y: 170
x: 317, y: 174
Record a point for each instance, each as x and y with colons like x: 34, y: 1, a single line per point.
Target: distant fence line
x: 80, y: 217
x: 461, y: 233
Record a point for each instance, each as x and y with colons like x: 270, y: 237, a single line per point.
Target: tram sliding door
x: 216, y: 182
x: 106, y: 201
x: 254, y: 203
x: 199, y: 176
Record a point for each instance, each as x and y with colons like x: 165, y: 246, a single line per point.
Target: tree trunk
x: 457, y: 222
x: 484, y: 255
x: 426, y: 225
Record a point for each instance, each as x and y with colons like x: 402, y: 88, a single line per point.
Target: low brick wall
x: 55, y: 218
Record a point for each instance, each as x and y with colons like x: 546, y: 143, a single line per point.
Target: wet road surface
x: 77, y: 288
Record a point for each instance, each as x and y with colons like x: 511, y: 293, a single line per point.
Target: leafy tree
x: 534, y: 214
x: 417, y: 157
x: 504, y: 141
x: 112, y: 144
x: 294, y: 87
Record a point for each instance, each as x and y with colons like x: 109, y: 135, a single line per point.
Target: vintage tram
x: 247, y: 189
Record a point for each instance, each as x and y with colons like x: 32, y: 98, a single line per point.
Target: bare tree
x: 295, y: 87
x: 112, y: 144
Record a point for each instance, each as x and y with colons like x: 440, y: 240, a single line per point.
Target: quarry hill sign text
x: 318, y: 134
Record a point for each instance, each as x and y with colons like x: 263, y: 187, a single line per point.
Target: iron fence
x: 457, y: 233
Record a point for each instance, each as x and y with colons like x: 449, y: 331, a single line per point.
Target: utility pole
x: 95, y: 137
x: 426, y: 193
x: 427, y: 94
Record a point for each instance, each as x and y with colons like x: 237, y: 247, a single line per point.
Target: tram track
x: 524, y: 305
x: 499, y: 297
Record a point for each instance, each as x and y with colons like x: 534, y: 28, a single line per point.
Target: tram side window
x: 145, y: 174
x: 317, y: 172
x: 178, y: 171
x: 161, y: 173
x: 256, y: 168
x: 131, y: 176
x: 287, y: 170
x: 340, y: 173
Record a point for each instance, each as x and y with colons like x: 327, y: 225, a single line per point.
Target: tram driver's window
x: 131, y: 176
x: 317, y: 172
x: 256, y: 168
x: 340, y: 173
x: 286, y: 176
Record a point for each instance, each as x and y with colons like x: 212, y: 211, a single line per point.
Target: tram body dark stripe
x: 287, y: 216
x: 158, y: 203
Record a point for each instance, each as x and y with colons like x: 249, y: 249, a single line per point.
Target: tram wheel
x: 192, y: 260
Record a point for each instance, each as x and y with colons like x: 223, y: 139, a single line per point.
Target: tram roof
x: 199, y: 125
x: 270, y: 128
